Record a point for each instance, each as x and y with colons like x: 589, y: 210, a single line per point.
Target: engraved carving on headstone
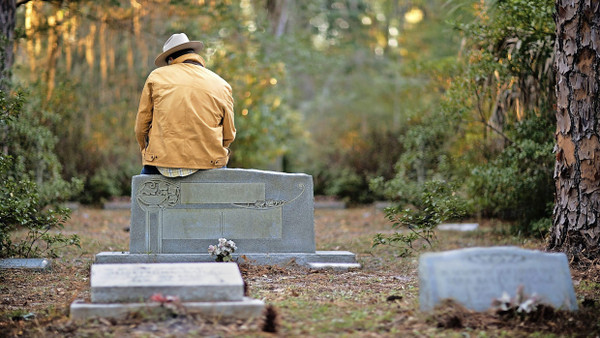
x: 158, y: 193
x: 270, y: 203
x: 153, y: 196
x: 497, y: 258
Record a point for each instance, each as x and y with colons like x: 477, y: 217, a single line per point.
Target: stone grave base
x: 209, y: 289
x: 243, y: 309
x: 337, y: 260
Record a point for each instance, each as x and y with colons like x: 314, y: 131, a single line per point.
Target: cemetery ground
x: 380, y: 299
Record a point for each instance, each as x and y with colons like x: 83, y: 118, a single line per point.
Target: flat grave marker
x: 120, y: 283
x: 210, y: 289
x: 458, y: 226
x: 25, y: 263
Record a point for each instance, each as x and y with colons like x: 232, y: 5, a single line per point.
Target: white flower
x: 223, y: 249
x: 503, y: 303
x: 505, y: 297
x: 527, y: 306
x: 231, y: 244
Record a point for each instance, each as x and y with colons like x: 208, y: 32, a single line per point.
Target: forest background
x: 374, y: 98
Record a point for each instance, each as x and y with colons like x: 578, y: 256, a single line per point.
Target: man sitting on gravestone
x: 185, y: 117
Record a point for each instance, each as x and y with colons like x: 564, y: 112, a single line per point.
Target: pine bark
x: 575, y: 228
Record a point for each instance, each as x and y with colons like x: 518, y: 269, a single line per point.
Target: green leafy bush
x: 416, y: 223
x: 518, y: 184
x: 20, y: 207
x: 26, y: 147
x: 103, y: 162
x: 349, y: 169
x: 107, y: 182
x: 425, y: 156
x: 494, y: 133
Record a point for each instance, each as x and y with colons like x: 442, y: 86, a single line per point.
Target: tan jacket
x: 185, y: 117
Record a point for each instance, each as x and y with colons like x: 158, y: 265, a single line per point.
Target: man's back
x: 185, y: 119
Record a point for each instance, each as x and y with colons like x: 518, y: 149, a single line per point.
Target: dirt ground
x: 378, y: 300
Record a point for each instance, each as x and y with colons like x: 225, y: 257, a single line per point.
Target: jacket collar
x: 190, y: 56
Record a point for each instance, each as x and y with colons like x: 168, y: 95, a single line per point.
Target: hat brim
x: 161, y: 60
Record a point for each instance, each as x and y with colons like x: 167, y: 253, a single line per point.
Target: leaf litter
x: 378, y: 300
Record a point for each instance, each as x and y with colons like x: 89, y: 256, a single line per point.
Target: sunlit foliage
x: 87, y: 61
x: 494, y: 129
x: 395, y: 93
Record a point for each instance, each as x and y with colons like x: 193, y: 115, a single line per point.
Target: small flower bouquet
x: 223, y: 250
x: 521, y: 303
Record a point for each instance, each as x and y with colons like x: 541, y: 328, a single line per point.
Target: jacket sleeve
x: 143, y: 120
x: 228, y: 123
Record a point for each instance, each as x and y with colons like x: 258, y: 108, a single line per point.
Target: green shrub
x: 349, y: 185
x: 104, y: 161
x: 107, y: 182
x: 518, y: 184
x: 416, y: 223
x: 425, y: 156
x: 348, y: 171
x: 494, y: 133
x: 26, y: 147
x: 508, y: 87
x: 20, y: 207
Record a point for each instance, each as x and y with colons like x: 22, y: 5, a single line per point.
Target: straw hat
x: 174, y: 44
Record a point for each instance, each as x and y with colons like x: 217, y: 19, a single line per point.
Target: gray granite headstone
x: 190, y: 282
x: 476, y: 276
x: 261, y: 211
x: 25, y: 263
x: 269, y: 215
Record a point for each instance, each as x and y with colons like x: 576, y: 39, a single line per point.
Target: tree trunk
x: 575, y: 227
x: 8, y: 10
x: 278, y: 14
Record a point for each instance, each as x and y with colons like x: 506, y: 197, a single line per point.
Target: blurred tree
x: 66, y: 70
x: 8, y: 9
x: 343, y: 89
x: 92, y: 79
x: 367, y: 82
x: 576, y: 228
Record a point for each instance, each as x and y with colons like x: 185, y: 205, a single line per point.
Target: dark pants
x: 150, y: 170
